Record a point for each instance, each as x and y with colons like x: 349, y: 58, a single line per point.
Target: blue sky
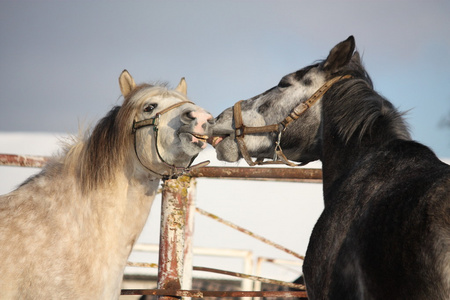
x: 60, y: 60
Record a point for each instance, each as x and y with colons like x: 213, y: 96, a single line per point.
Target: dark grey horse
x: 385, y: 229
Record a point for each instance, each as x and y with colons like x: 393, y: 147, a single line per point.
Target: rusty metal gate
x: 175, y: 247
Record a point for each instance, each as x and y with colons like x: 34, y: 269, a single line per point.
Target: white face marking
x: 286, y: 99
x: 268, y: 108
x: 289, y: 97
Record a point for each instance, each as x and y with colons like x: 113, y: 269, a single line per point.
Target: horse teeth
x: 214, y: 141
x: 200, y: 136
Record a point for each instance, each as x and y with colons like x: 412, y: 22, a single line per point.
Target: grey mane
x: 103, y: 150
x: 111, y: 142
x: 95, y: 158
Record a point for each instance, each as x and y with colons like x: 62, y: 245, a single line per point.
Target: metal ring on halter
x: 278, y: 145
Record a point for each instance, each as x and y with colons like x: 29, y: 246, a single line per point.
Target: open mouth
x: 218, y: 135
x: 200, y: 137
x: 216, y: 139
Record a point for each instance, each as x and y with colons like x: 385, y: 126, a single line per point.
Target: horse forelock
x: 144, y: 91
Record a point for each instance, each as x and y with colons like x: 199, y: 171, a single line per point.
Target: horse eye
x: 284, y: 83
x: 149, y: 107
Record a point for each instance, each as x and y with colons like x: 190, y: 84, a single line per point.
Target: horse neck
x: 123, y: 192
x: 356, y: 128
x: 119, y: 215
x: 129, y: 201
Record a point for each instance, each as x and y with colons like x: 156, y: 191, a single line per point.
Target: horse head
x: 169, y: 130
x: 300, y: 140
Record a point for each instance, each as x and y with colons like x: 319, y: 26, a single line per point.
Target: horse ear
x: 126, y: 83
x: 356, y: 57
x: 340, y: 55
x: 182, y: 87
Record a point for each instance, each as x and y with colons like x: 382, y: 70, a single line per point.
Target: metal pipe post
x: 188, y: 255
x: 171, y: 243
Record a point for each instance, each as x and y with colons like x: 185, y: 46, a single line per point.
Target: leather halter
x: 279, y: 157
x: 174, y: 171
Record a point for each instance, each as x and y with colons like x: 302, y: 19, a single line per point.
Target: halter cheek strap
x: 174, y: 171
x: 155, y: 120
x: 279, y: 157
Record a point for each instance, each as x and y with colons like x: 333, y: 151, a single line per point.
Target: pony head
x: 300, y: 141
x: 154, y: 132
x: 169, y: 130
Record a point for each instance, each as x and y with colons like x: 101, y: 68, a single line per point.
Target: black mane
x: 360, y: 106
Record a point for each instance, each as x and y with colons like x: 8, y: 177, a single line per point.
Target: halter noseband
x: 279, y: 157
x: 174, y: 171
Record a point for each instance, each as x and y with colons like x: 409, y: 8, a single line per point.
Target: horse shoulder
x: 439, y: 214
x: 372, y: 222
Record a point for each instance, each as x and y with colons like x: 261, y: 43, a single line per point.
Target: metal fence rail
x: 176, y: 294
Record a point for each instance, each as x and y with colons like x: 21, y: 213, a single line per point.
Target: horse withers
x: 67, y: 232
x: 385, y: 229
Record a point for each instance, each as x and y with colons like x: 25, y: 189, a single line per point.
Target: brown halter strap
x: 174, y: 171
x: 279, y: 157
x: 155, y: 120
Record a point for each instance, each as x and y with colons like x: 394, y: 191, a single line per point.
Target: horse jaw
x: 173, y: 148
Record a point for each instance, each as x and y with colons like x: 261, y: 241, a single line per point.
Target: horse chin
x: 226, y: 149
x: 215, y: 140
x: 193, y: 143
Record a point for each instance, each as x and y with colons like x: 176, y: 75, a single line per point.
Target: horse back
x: 385, y: 230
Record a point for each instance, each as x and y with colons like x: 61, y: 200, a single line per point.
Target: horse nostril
x: 187, y: 116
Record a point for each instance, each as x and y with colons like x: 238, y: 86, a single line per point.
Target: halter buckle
x: 156, y: 120
x: 278, y: 145
x: 239, y: 132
